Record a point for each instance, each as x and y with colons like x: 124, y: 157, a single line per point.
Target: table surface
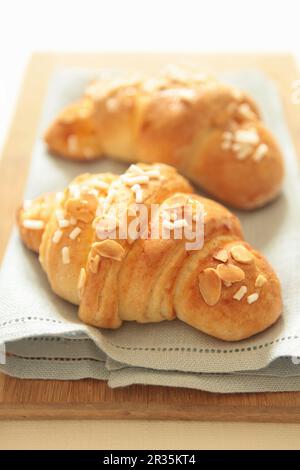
x: 191, y: 29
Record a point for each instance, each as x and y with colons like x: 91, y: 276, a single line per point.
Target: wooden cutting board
x: 90, y: 398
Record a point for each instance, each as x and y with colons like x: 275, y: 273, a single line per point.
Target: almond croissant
x: 224, y: 288
x: 212, y: 133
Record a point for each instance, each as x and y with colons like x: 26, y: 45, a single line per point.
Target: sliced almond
x: 210, y: 286
x: 230, y: 273
x: 81, y: 281
x: 57, y: 236
x: 240, y: 293
x: 75, y: 232
x: 260, y: 152
x: 245, y: 111
x: 65, y: 253
x: 33, y: 224
x: 260, y: 280
x: 244, y: 152
x: 241, y: 254
x: 222, y: 255
x: 109, y: 249
x: 247, y: 136
x: 252, y: 298
x: 94, y: 264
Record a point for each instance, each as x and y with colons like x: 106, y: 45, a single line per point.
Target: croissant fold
x: 225, y: 288
x: 212, y: 133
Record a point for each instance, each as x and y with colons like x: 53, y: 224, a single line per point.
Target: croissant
x: 212, y: 133
x: 225, y: 288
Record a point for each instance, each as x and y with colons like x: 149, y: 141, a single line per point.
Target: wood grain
x: 90, y: 398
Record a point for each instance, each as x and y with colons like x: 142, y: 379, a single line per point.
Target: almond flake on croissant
x: 212, y: 133
x: 225, y: 289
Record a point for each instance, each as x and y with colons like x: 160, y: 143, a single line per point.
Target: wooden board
x: 90, y: 398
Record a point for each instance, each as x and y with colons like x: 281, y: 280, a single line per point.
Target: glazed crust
x: 184, y: 120
x: 150, y: 279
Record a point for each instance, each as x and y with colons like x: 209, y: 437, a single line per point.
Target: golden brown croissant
x: 225, y: 289
x: 212, y: 133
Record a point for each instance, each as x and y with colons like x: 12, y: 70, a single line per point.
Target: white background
x: 138, y: 25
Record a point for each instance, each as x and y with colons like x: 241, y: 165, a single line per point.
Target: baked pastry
x: 225, y: 288
x: 212, y: 133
